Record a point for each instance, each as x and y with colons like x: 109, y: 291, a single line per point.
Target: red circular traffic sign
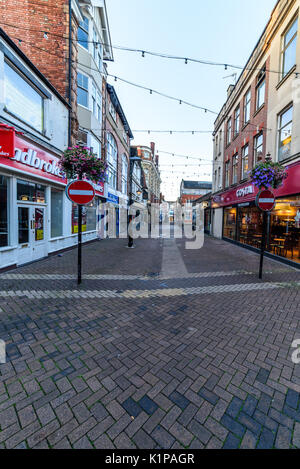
x: 266, y: 200
x: 80, y: 192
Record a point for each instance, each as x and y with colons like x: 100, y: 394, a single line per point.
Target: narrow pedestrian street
x: 160, y: 347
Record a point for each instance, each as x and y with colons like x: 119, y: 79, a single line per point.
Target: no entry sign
x: 265, y: 200
x: 80, y: 192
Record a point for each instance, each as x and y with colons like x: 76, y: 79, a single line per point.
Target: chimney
x: 152, y: 145
x: 230, y: 90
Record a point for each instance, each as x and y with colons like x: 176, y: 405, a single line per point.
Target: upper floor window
x: 237, y: 114
x: 99, y: 106
x: 261, y: 88
x: 285, y: 123
x: 258, y: 147
x: 94, y: 99
x: 247, y: 107
x: 22, y: 99
x: 229, y: 129
x: 235, y: 162
x: 245, y: 161
x: 289, y: 44
x: 217, y: 146
x: 82, y: 90
x: 83, y: 33
x: 124, y: 174
x: 227, y: 173
x: 112, y: 159
x: 112, y: 111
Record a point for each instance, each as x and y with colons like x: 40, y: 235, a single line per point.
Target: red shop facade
x: 36, y: 217
x: 242, y: 220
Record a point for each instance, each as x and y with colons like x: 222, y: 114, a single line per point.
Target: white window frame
x: 244, y: 157
x: 247, y: 107
x: 85, y: 89
x: 112, y: 160
x: 282, y: 127
x: 284, y: 47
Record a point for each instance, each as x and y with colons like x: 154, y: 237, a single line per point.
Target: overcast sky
x: 214, y: 30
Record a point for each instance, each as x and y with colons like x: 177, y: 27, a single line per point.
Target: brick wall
x: 27, y: 21
x: 247, y: 134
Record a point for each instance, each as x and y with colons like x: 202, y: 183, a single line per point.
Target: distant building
x: 150, y: 167
x: 192, y: 190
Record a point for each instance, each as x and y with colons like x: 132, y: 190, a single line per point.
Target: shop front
x: 36, y: 218
x: 243, y: 221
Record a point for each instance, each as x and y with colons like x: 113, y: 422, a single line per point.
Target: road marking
x: 171, y: 292
x: 133, y: 277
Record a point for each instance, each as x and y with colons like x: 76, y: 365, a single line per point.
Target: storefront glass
x: 249, y: 227
x: 89, y: 217
x: 3, y: 211
x: 285, y: 228
x: 56, y: 213
x: 31, y: 192
x: 229, y: 230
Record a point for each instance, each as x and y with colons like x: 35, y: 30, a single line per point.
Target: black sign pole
x: 79, y: 243
x: 263, y: 244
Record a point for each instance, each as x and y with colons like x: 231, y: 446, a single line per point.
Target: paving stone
x: 179, y: 400
x: 233, y: 426
x: 162, y: 437
x: 266, y: 440
x: 208, y: 396
x: 231, y: 442
x: 148, y: 405
x: 132, y: 407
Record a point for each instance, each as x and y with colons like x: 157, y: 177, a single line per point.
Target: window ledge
x: 245, y: 125
x: 286, y: 77
x: 258, y: 110
x: 8, y: 248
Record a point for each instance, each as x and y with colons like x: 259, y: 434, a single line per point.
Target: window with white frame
x: 95, y: 146
x: 83, y: 33
x: 227, y: 173
x: 82, y: 90
x: 229, y: 129
x: 99, y: 106
x: 245, y: 161
x: 261, y: 88
x: 94, y: 99
x: 112, y: 160
x: 124, y: 174
x: 258, y: 147
x: 285, y: 122
x: 237, y: 120
x: 235, y: 163
x: 289, y: 44
x: 112, y: 111
x: 95, y: 44
x: 247, y: 106
x: 219, y: 177
x: 100, y: 57
x: 22, y: 99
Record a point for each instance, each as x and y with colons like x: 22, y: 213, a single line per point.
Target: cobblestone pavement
x: 160, y: 347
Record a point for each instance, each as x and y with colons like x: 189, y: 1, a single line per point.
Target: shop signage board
x: 265, y: 200
x: 80, y: 192
x: 7, y: 141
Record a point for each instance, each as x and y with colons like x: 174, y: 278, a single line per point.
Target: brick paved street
x: 160, y: 347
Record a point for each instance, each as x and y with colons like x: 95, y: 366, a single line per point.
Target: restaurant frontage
x: 36, y: 217
x: 243, y: 221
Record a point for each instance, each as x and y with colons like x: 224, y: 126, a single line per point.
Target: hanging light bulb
x: 143, y: 54
x: 186, y: 61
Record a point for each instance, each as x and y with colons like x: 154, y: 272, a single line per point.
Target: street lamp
x: 133, y: 159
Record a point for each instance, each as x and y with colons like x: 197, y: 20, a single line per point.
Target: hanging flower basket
x: 81, y: 162
x: 268, y: 174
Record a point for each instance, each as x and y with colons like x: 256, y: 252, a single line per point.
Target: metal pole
x: 263, y: 244
x: 79, y: 243
x: 130, y: 239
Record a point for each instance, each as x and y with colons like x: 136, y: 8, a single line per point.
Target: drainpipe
x: 70, y: 73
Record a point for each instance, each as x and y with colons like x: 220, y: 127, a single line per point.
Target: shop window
x: 245, y: 161
x: 124, y: 174
x: 57, y: 198
x: 112, y: 156
x: 4, y: 226
x: 289, y: 45
x: 285, y: 123
x: 22, y: 99
x: 250, y: 225
x: 285, y: 229
x: 83, y: 33
x: 31, y: 192
x: 229, y: 229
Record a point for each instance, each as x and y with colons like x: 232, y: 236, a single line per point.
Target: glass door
x: 31, y: 233
x: 38, y: 233
x: 25, y: 226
